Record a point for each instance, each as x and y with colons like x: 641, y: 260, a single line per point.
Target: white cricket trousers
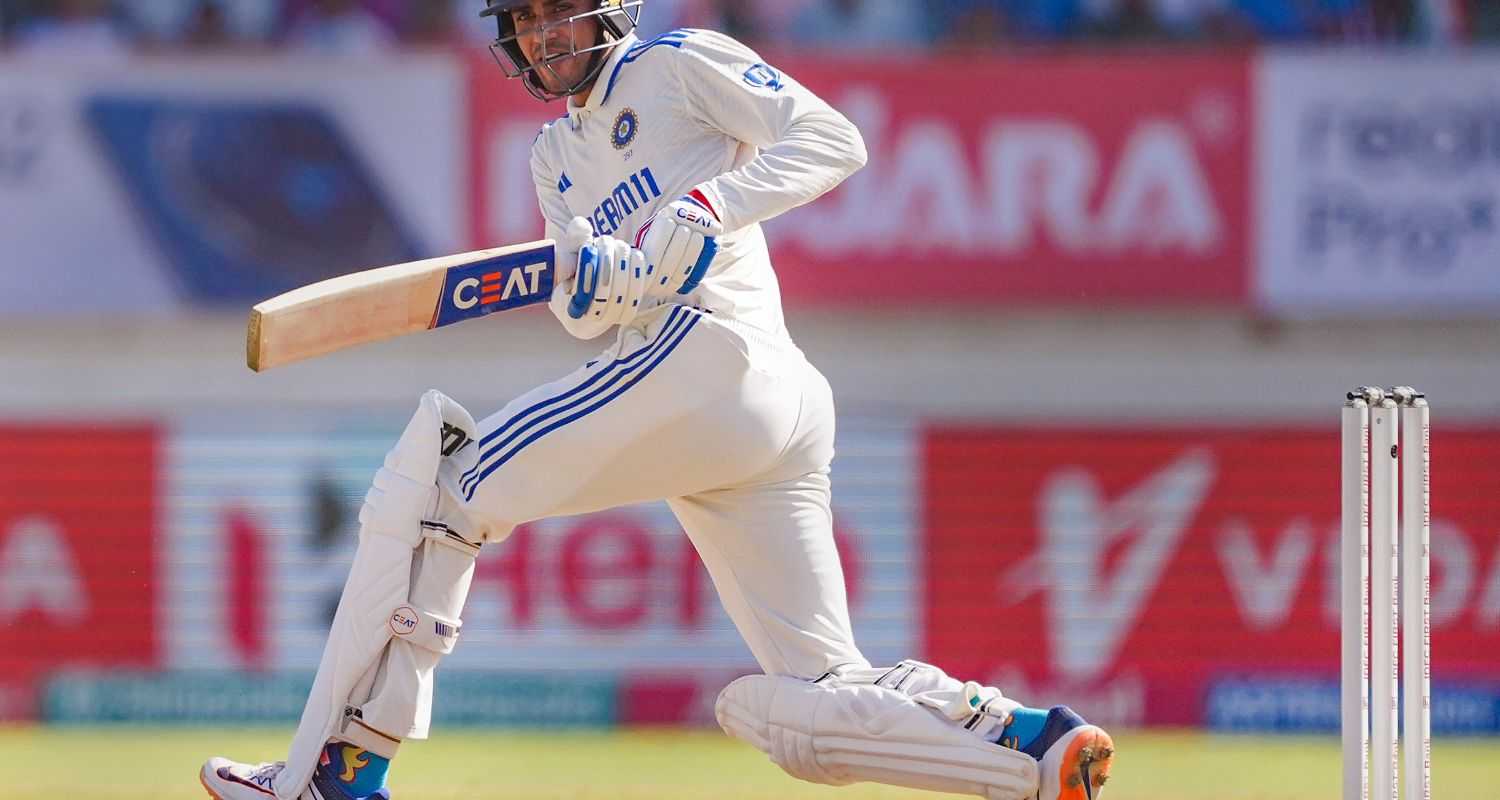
x: 733, y: 428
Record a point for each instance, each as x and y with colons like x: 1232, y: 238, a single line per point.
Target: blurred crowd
x: 94, y: 28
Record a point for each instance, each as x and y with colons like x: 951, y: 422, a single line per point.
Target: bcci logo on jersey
x: 496, y: 284
x: 626, y: 124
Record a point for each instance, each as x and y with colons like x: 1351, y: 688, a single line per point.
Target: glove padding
x: 680, y: 242
x: 569, y: 244
x: 606, y: 286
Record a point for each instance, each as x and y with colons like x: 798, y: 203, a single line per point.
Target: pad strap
x: 420, y: 626
x: 444, y: 534
x: 358, y: 732
x: 981, y: 710
x: 425, y: 629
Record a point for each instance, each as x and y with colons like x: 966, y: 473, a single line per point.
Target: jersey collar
x: 576, y: 113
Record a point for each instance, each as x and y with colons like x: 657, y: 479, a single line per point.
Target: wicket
x: 1385, y: 450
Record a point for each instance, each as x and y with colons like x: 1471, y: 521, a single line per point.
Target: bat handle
x: 587, y: 282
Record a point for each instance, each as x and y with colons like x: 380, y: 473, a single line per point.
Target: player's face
x: 539, y: 41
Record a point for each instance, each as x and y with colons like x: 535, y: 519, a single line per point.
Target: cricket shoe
x: 231, y: 780
x: 1074, y: 757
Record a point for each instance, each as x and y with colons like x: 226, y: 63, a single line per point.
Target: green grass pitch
x: 466, y: 764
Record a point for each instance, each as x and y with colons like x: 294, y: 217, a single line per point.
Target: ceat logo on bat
x: 496, y: 284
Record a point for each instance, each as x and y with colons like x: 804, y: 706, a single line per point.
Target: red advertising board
x: 1043, y: 179
x: 503, y: 122
x: 78, y: 573
x: 1130, y: 571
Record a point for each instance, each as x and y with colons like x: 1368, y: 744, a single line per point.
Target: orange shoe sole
x: 204, y: 781
x: 1085, y: 766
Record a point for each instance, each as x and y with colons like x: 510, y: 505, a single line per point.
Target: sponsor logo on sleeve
x: 764, y: 76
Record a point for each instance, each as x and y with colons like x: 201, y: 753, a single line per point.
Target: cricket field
x: 38, y: 763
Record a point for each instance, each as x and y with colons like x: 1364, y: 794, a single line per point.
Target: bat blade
x: 383, y: 303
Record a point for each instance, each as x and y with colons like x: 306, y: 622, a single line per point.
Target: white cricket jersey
x: 695, y: 109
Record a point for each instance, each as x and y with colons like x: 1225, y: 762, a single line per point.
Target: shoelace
x: 266, y: 774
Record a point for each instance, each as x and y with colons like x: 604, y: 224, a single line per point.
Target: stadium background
x: 1088, y: 314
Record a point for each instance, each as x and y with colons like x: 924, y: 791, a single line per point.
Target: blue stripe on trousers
x: 469, y: 494
x: 627, y: 365
x: 641, y: 354
x: 676, y: 310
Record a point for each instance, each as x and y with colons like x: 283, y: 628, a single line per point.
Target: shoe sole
x: 203, y: 779
x: 1084, y: 766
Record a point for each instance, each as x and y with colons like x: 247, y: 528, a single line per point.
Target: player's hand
x: 606, y: 290
x: 573, y: 238
x: 610, y: 283
x: 680, y: 242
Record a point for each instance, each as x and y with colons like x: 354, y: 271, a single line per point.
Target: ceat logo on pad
x: 403, y: 620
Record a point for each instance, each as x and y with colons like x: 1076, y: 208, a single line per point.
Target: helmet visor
x: 616, y: 19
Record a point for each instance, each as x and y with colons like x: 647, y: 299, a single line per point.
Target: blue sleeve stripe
x: 615, y: 372
x: 669, y: 39
x: 662, y: 348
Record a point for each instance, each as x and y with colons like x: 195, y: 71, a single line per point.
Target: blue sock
x: 360, y: 772
x: 1025, y: 725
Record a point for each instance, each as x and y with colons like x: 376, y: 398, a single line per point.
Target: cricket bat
x: 382, y: 303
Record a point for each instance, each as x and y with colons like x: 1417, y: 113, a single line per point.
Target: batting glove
x: 607, y: 287
x: 680, y: 242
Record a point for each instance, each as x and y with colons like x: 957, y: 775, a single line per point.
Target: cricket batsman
x: 654, y: 185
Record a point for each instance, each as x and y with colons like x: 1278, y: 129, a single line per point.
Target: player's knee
x: 440, y: 434
x: 437, y: 440
x: 501, y: 501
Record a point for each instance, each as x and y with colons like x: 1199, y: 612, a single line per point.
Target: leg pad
x: 836, y: 733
